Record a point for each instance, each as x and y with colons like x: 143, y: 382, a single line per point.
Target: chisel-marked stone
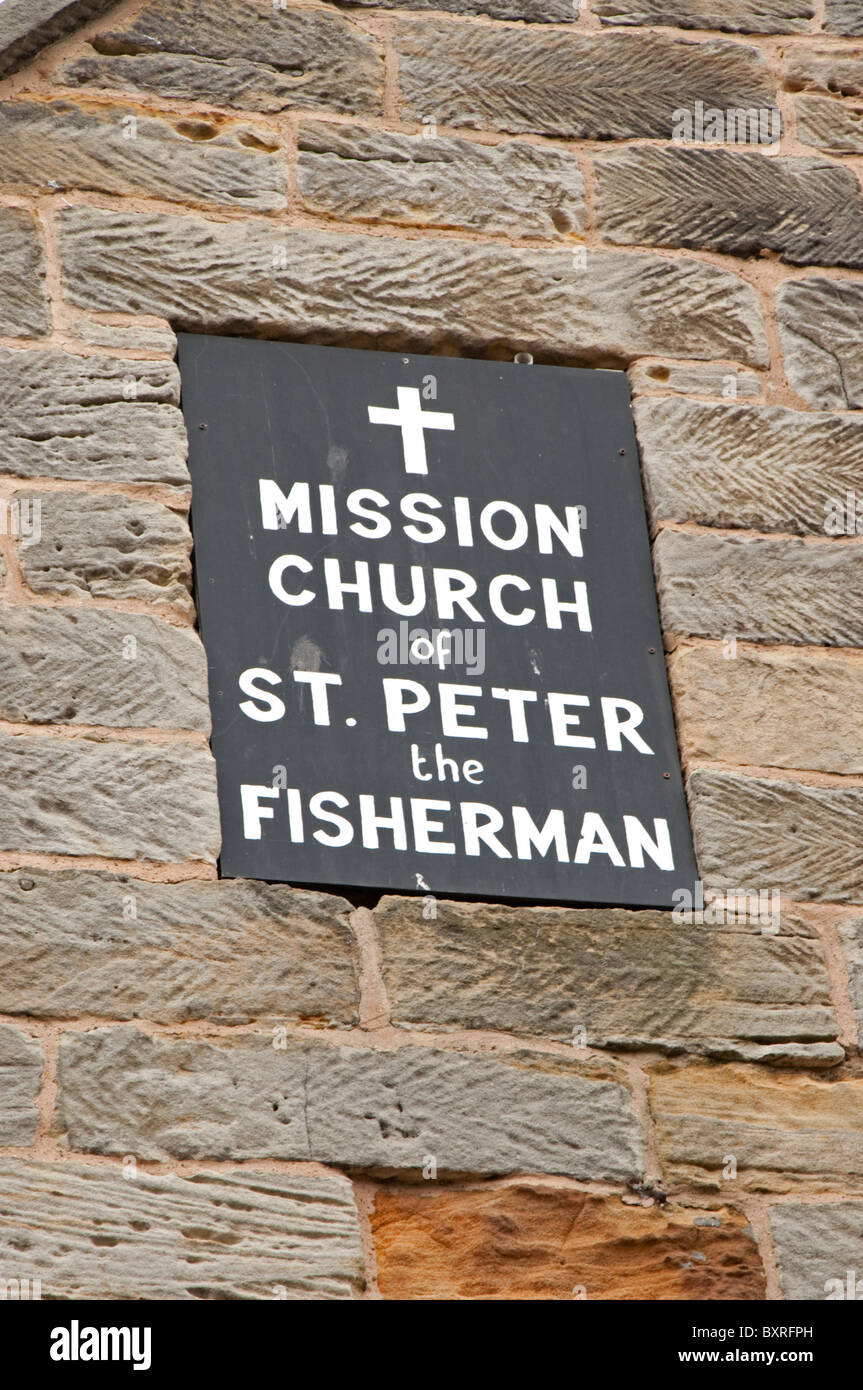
x: 100, y: 944
x: 754, y: 707
x: 808, y: 210
x: 130, y: 800
x: 818, y: 1249
x: 762, y: 468
x: 782, y: 590
x: 606, y: 976
x: 782, y: 1131
x: 834, y: 126
x: 843, y: 17
x: 246, y: 53
x: 821, y: 331
x: 102, y: 418
x: 364, y: 175
x: 23, y: 299
x: 126, y: 1092
x: 755, y: 831
x: 249, y: 276
x: 590, y: 86
x: 76, y: 665
x: 744, y: 16
x: 20, y: 1083
x: 117, y: 149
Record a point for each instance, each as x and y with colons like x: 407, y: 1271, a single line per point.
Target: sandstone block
x: 843, y: 17
x: 521, y: 1242
x: 820, y: 68
x: 609, y: 977
x: 102, y: 944
x: 101, y: 418
x: 756, y: 467
x: 57, y: 145
x: 207, y: 276
x: 742, y: 16
x: 851, y: 936
x: 533, y: 11
x: 245, y: 53
x: 23, y: 299
x: 74, y: 665
x: 782, y: 590
x: 821, y: 331
x: 119, y: 800
x: 587, y: 86
x: 816, y: 1244
x: 107, y: 546
x: 782, y: 1131
x: 757, y: 707
x: 29, y: 25
x: 21, y: 1072
x: 693, y: 379
x: 834, y: 126
x: 126, y: 1092
x: 808, y: 210
x: 364, y: 175
x: 89, y: 1233
x: 760, y: 832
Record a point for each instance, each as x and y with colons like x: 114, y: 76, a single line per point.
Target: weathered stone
x: 815, y: 1244
x: 521, y: 1242
x: 607, y: 976
x: 119, y: 800
x: 108, y: 546
x: 821, y: 331
x: 834, y: 126
x: 246, y: 53
x: 693, y: 379
x: 780, y: 1129
x: 366, y: 175
x: 28, y: 25
x: 207, y: 276
x: 132, y: 337
x: 63, y: 416
x: 590, y: 86
x: 74, y: 665
x: 760, y: 590
x: 822, y: 69
x: 126, y: 1092
x: 533, y: 11
x: 756, y: 707
x: 78, y: 944
x: 844, y: 17
x: 851, y: 936
x: 57, y: 145
x: 20, y: 1083
x: 757, y: 467
x: 742, y: 16
x: 758, y: 832
x: 23, y: 300
x: 809, y: 211
x: 87, y: 1233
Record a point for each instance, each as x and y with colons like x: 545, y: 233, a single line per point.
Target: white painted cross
x: 413, y: 420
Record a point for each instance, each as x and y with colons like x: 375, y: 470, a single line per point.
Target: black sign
x: 428, y: 607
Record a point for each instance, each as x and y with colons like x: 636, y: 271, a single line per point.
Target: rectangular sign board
x: 428, y: 608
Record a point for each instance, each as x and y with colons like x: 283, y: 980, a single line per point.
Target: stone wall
x: 222, y: 1089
